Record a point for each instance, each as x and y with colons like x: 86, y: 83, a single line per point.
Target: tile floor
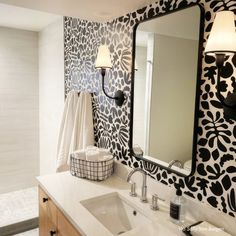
x: 18, y: 206
x: 34, y: 232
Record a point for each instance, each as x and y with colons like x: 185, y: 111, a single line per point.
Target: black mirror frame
x: 197, y: 97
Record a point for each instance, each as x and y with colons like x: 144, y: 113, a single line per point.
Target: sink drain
x: 121, y: 232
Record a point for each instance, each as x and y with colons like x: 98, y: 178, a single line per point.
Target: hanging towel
x: 66, y: 129
x: 83, y: 132
x: 76, y: 128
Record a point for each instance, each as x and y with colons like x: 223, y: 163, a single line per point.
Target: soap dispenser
x: 177, y: 208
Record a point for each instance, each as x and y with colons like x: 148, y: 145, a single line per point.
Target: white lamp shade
x: 222, y: 38
x: 103, y: 57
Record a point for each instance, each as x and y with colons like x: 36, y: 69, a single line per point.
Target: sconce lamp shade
x: 222, y: 39
x: 103, y: 62
x: 103, y: 57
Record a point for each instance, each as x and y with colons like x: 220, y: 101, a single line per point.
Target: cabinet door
x: 64, y: 227
x: 47, y: 215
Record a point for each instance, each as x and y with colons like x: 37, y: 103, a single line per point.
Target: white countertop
x: 67, y: 191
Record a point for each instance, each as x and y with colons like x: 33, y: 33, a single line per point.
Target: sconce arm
x: 103, y: 73
x: 119, y: 95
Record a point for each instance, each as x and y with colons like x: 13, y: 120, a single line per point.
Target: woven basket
x: 92, y: 170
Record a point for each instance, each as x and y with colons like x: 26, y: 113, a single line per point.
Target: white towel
x: 80, y: 154
x: 106, y: 158
x: 76, y: 130
x: 207, y: 229
x: 104, y: 167
x: 83, y: 133
x: 91, y: 148
x: 92, y: 155
x: 104, y: 152
x: 66, y: 129
x: 79, y: 163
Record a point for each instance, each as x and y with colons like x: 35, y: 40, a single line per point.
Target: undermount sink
x: 115, y: 213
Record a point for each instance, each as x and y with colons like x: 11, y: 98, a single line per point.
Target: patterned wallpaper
x: 214, y: 181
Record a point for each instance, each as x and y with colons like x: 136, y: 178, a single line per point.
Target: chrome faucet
x: 143, y: 197
x: 175, y: 163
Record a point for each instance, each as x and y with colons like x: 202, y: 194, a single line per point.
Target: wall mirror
x: 165, y: 91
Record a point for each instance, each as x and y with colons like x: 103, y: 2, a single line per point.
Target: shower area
x: 28, y: 80
x: 19, y: 122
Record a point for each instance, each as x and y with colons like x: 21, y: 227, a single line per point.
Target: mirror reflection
x: 165, y: 84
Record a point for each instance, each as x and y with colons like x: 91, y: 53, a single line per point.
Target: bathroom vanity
x: 51, y: 219
x: 71, y: 206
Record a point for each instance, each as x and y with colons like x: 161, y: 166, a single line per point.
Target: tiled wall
x: 19, y: 150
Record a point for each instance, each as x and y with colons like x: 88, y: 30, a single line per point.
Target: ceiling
x: 25, y: 19
x: 93, y: 10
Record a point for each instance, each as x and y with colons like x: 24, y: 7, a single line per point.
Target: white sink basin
x: 115, y: 213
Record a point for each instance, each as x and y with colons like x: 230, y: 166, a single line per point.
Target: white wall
x: 51, y: 92
x: 139, y: 97
x: 173, y: 98
x: 19, y: 157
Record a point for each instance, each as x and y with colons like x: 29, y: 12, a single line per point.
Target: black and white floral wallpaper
x: 214, y: 180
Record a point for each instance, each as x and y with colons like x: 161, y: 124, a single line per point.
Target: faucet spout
x: 175, y: 163
x: 144, y: 186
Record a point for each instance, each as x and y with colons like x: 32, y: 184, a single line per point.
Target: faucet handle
x: 154, y: 205
x: 162, y: 199
x: 133, y: 189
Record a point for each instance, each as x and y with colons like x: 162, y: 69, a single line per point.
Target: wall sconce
x: 104, y: 62
x: 222, y: 42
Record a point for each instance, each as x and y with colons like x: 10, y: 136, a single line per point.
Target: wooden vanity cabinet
x: 52, y: 221
x: 47, y: 215
x: 64, y: 226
